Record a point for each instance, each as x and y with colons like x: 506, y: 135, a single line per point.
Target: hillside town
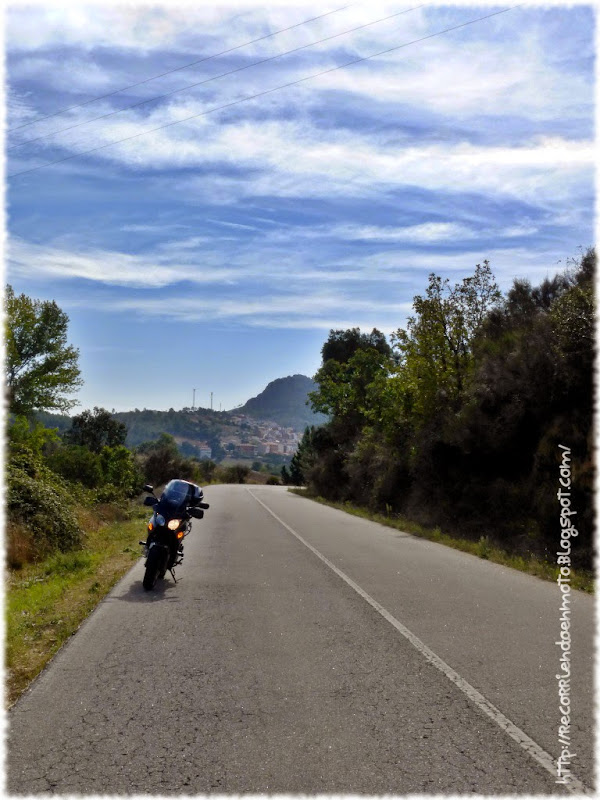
x: 259, y: 438
x: 255, y: 438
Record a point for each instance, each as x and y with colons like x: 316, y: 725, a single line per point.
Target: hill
x: 284, y: 401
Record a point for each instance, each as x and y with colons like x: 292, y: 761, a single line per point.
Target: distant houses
x: 265, y: 438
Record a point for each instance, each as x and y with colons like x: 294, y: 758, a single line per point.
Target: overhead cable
x: 177, y: 69
x: 213, y: 78
x: 263, y: 93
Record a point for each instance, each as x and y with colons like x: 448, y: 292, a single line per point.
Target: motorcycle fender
x: 164, y: 555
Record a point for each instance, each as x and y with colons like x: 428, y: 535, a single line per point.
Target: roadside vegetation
x: 456, y: 421
x: 47, y: 599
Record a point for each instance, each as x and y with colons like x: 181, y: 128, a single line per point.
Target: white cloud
x: 292, y: 159
x: 296, y: 157
x: 289, y: 274
x: 144, y: 28
x: 311, y: 310
x: 132, y: 26
x: 426, y: 232
x: 290, y: 162
x: 518, y: 80
x: 27, y: 259
x: 76, y: 74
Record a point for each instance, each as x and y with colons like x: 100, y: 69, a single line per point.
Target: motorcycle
x: 171, y: 522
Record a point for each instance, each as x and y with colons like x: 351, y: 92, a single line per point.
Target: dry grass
x: 20, y: 548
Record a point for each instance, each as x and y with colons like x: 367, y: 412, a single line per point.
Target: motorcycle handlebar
x: 203, y: 505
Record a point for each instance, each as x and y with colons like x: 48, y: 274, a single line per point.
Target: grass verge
x: 47, y: 601
x: 484, y: 548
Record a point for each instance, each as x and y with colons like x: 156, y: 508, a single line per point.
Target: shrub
x: 44, y: 510
x: 120, y: 469
x: 237, y: 473
x: 76, y: 463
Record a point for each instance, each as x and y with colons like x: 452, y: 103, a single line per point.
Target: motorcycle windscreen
x: 175, y: 498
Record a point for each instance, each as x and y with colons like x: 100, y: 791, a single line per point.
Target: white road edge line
x: 520, y: 737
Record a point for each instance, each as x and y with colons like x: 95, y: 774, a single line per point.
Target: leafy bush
x: 78, y: 464
x: 42, y: 509
x: 120, y: 469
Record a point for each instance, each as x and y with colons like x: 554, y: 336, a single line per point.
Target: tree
x: 41, y: 368
x: 436, y: 349
x: 342, y: 344
x: 351, y: 361
x: 96, y: 430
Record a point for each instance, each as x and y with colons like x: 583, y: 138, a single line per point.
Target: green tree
x: 96, y: 430
x: 436, y: 349
x: 342, y: 344
x: 285, y: 475
x: 41, y: 368
x: 343, y: 385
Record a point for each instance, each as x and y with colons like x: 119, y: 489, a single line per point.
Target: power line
x: 177, y: 69
x: 262, y: 94
x: 213, y: 78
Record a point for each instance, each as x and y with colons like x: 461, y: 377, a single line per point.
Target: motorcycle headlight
x: 160, y: 520
x: 173, y: 524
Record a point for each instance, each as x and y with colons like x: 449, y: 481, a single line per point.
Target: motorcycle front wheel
x: 153, y: 568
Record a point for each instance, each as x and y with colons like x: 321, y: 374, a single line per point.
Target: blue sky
x: 217, y: 253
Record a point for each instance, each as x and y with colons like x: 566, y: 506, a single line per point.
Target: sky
x: 212, y: 238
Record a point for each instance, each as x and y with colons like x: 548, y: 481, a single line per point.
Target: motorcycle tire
x: 152, y: 569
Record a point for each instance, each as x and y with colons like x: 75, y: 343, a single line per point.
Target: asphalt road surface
x: 307, y: 651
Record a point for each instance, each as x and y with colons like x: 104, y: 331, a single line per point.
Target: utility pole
x: 211, y: 394
x: 194, y: 400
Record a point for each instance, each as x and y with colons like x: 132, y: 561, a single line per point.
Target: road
x: 307, y: 651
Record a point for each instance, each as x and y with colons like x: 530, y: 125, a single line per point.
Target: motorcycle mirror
x: 150, y: 501
x: 148, y: 488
